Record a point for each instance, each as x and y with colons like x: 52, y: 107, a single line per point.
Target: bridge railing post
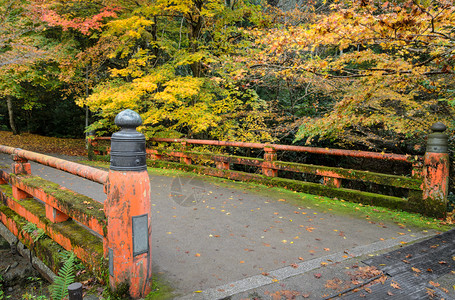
x: 128, y: 209
x: 185, y: 159
x: 269, y: 157
x: 436, y: 172
x: 20, y: 166
x: 332, y: 182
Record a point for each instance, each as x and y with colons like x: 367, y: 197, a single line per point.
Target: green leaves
x: 59, y: 289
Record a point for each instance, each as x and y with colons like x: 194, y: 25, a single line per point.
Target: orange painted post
x: 20, y: 166
x: 185, y: 159
x: 436, y: 172
x: 128, y: 209
x: 332, y: 182
x: 154, y: 155
x: 222, y: 165
x: 417, y: 169
x: 269, y: 157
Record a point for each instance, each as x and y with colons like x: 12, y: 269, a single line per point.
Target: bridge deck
x: 220, y: 237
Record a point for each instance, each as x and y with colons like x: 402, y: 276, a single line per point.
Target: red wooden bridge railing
x: 122, y: 232
x: 422, y: 187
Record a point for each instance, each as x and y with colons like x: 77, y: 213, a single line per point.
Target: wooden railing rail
x: 87, y: 172
x: 315, y: 150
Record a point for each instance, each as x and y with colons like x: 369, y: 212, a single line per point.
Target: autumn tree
x: 80, y: 23
x: 20, y: 47
x: 386, y: 65
x: 163, y: 66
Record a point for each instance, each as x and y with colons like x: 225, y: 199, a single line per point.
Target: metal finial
x: 128, y: 119
x: 128, y: 145
x: 438, y: 127
x: 437, y: 141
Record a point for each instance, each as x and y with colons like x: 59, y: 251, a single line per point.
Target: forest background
x: 360, y: 74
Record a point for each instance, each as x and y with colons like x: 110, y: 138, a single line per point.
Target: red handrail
x: 87, y: 172
x: 339, y: 152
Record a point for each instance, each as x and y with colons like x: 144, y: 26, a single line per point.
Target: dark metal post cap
x: 128, y: 146
x: 75, y: 286
x: 438, y: 127
x: 437, y: 141
x: 75, y: 291
x: 128, y: 119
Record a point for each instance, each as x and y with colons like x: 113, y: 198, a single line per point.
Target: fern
x: 59, y: 289
x: 34, y: 231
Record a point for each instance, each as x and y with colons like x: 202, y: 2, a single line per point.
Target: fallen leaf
x: 295, y: 266
x: 435, y: 284
x: 334, y: 283
x: 431, y: 292
x: 390, y: 293
x: 326, y: 249
x: 197, y: 255
x: 317, y: 275
x: 300, y: 258
x: 416, y: 270
x: 395, y: 285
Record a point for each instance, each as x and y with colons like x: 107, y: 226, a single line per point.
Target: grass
x: 160, y: 290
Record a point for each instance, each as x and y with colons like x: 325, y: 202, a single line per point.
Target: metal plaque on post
x: 140, y: 234
x: 111, y: 262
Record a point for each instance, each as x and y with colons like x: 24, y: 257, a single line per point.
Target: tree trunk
x: 9, y: 103
x: 196, y: 67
